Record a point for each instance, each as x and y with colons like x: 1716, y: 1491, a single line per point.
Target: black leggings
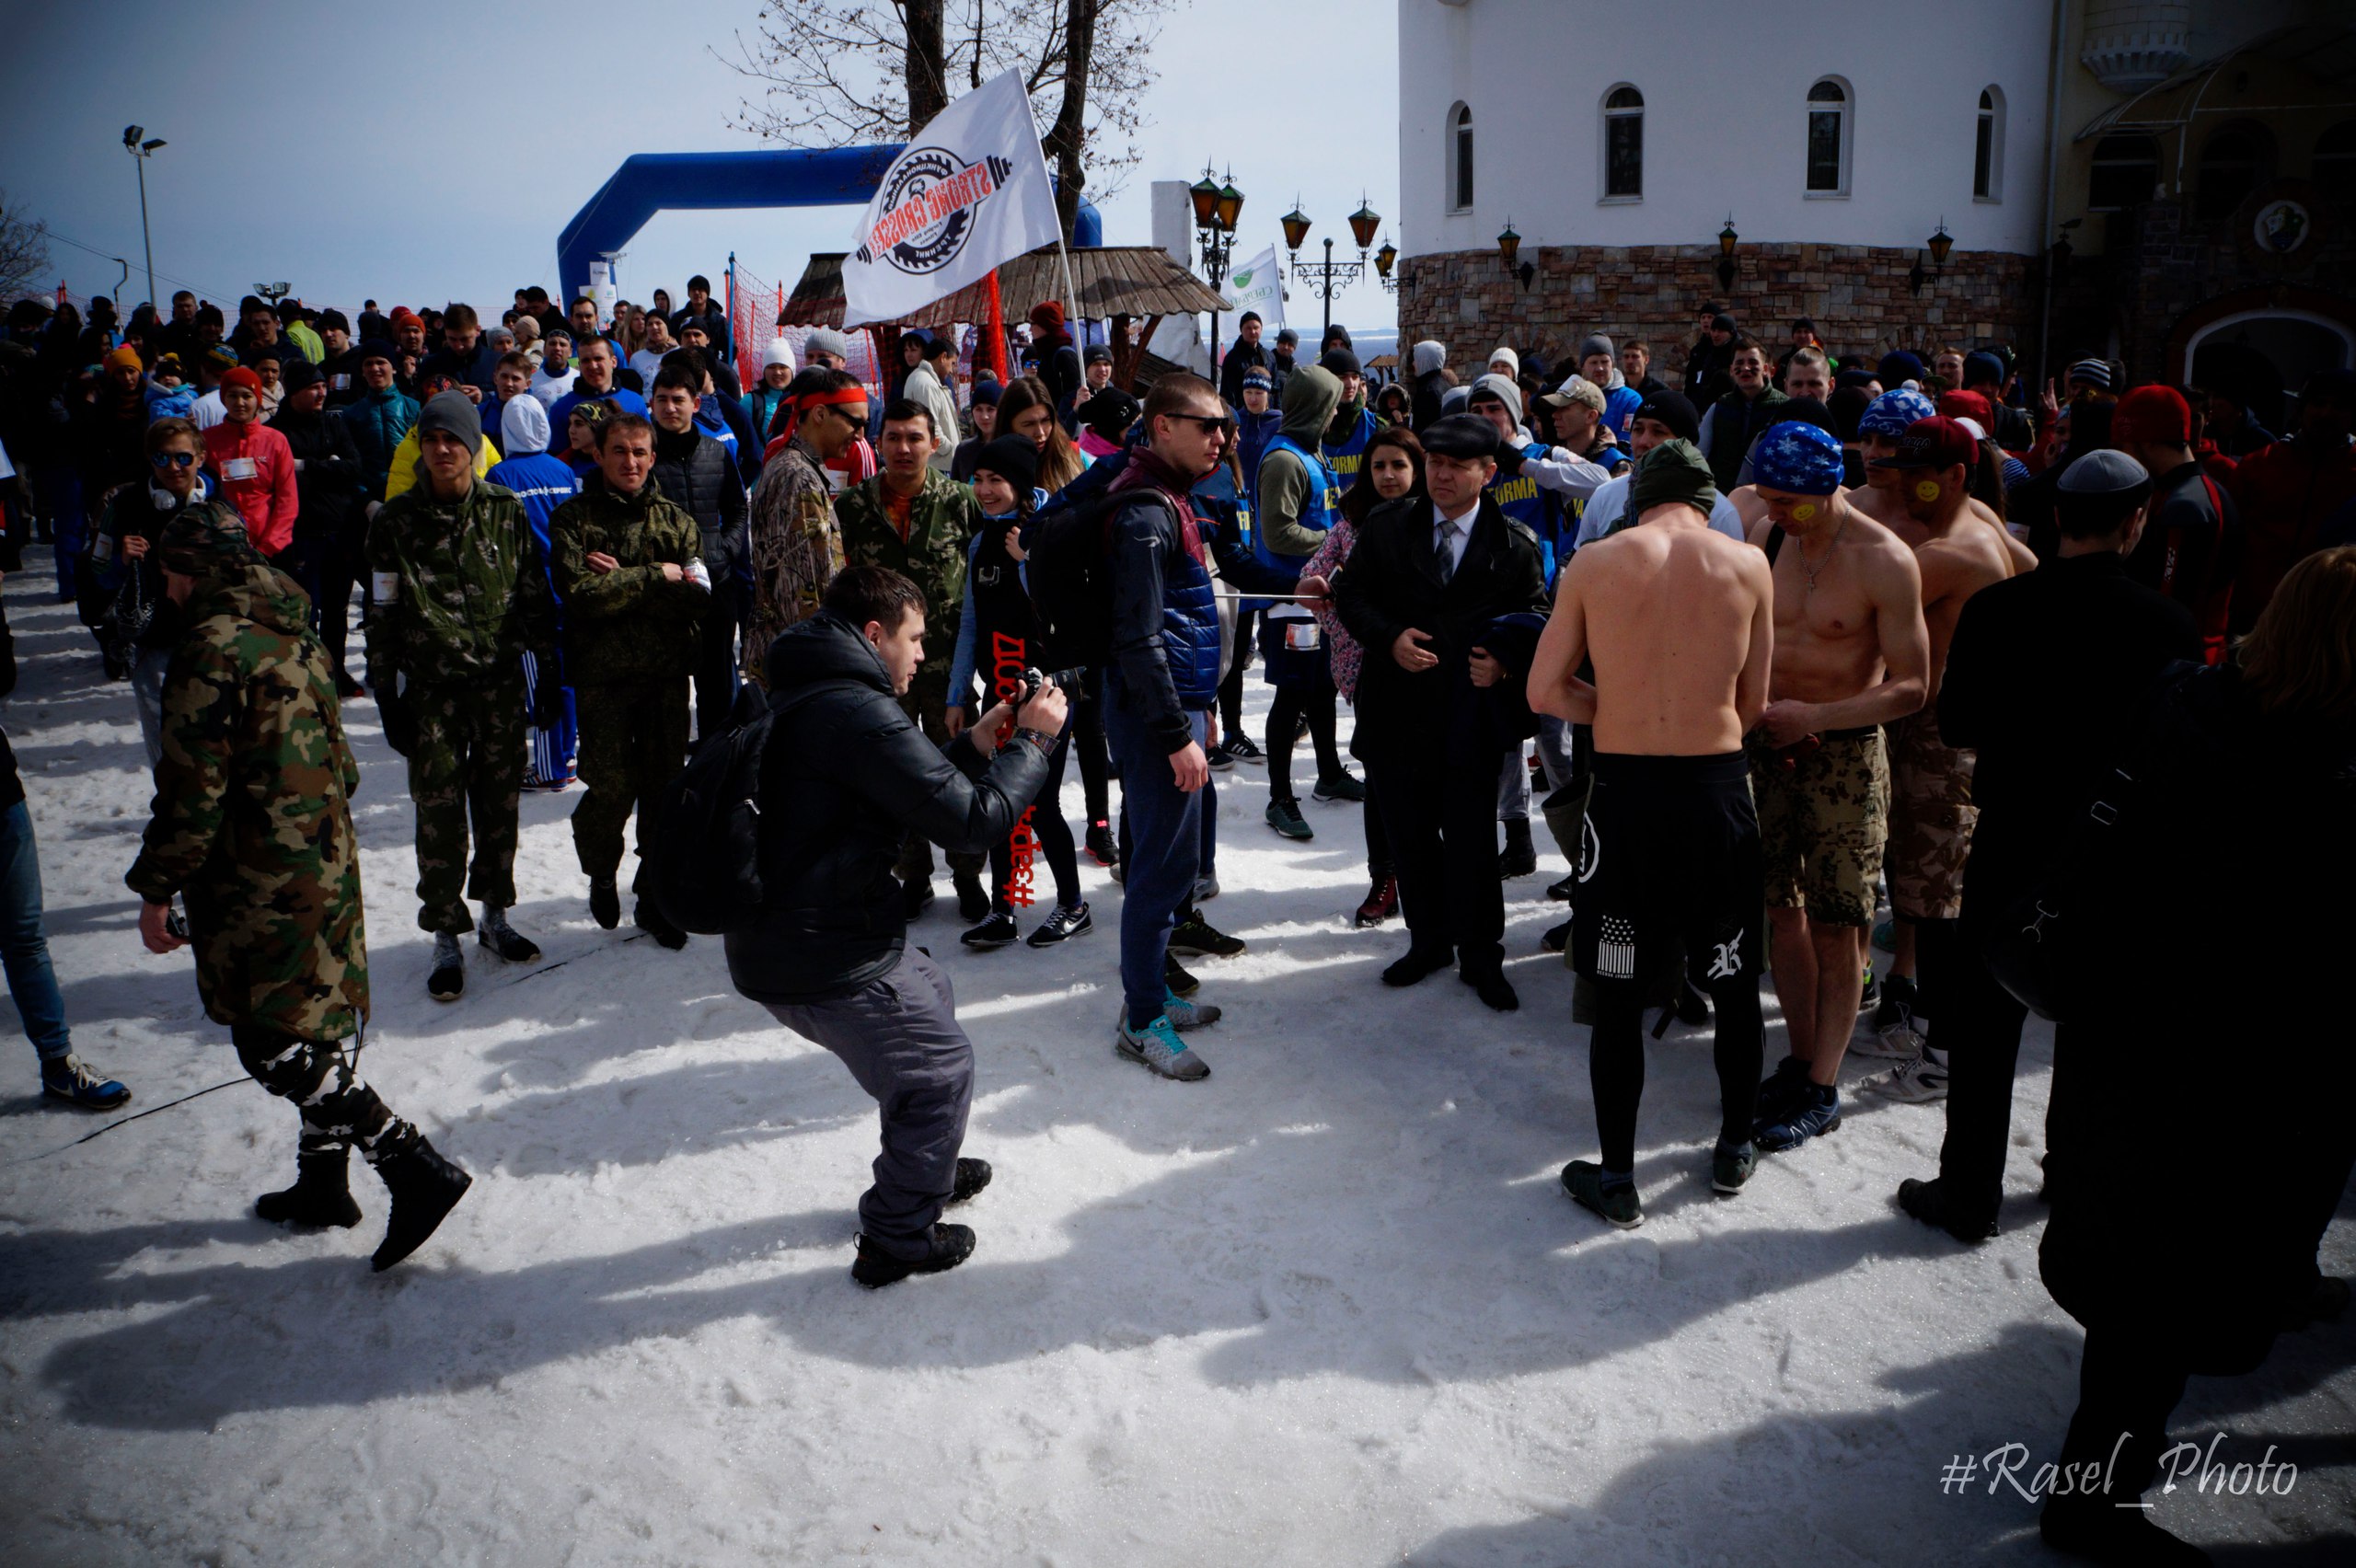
x: 1055, y: 842
x: 1284, y: 718
x: 1087, y: 739
x: 1616, y: 1063
x: 1231, y: 690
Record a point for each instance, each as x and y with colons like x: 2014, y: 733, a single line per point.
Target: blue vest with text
x: 1316, y: 513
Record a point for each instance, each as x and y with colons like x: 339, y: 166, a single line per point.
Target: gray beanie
x: 450, y: 413
x: 826, y: 340
x: 1597, y: 343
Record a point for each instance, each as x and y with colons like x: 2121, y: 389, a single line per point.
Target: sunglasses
x: 172, y: 459
x: 1211, y: 424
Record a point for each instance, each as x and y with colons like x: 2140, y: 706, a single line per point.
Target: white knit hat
x: 779, y: 352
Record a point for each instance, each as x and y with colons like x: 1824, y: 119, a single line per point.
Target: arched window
x: 1988, y: 148
x: 1828, y: 139
x: 2234, y: 161
x: 1460, y: 158
x: 2124, y: 171
x: 2335, y: 164
x: 1623, y: 144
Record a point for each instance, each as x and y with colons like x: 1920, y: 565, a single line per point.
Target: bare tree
x: 837, y: 72
x: 23, y: 250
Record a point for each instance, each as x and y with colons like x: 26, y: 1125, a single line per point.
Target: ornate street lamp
x: 1727, y: 239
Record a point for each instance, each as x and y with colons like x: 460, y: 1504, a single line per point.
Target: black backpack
x: 1070, y: 577
x: 703, y: 857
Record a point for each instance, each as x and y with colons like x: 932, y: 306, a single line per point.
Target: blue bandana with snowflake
x: 1890, y: 413
x: 1798, y: 458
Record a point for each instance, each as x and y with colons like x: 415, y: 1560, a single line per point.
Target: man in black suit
x: 1423, y: 586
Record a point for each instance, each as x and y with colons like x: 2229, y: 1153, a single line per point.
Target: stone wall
x: 1857, y: 294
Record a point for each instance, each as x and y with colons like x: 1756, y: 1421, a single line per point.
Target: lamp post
x: 140, y: 153
x: 1384, y: 260
x: 1940, y: 244
x: 273, y: 293
x: 1726, y: 241
x: 1216, y: 208
x: 1329, y: 277
x: 1509, y: 252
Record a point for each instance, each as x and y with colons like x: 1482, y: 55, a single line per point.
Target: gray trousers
x: 898, y: 1035
x: 1554, y: 757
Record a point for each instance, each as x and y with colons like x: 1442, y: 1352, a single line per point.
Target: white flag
x: 969, y: 193
x: 1257, y: 286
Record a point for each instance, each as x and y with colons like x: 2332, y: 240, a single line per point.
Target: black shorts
x: 1670, y: 851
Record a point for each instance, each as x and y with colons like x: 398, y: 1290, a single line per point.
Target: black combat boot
x: 425, y: 1187
x: 320, y: 1196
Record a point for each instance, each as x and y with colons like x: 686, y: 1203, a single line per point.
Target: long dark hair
x: 1360, y: 499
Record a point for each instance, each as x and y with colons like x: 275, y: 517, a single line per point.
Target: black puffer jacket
x: 846, y: 776
x: 694, y: 473
x: 330, y: 486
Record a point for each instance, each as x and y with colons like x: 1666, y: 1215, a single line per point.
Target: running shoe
x: 1923, y: 1081
x: 1198, y: 938
x: 1174, y: 976
x: 1100, y: 848
x: 1061, y: 925
x: 1185, y: 1015
x: 1617, y: 1202
x: 1816, y: 1115
x: 1158, y: 1050
x: 1782, y: 1091
x: 1286, y: 818
x: 1731, y: 1167
x: 1871, y: 995
x: 69, y: 1079
x: 1343, y: 786
x: 996, y: 931
x: 1205, y: 888
x: 1241, y: 747
x: 447, y: 980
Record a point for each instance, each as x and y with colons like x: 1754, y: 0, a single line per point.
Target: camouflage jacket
x: 627, y: 624
x: 796, y: 548
x: 943, y: 519
x: 460, y: 588
x: 251, y: 823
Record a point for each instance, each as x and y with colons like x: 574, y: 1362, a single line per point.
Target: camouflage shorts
x: 1931, y: 818
x: 1823, y: 818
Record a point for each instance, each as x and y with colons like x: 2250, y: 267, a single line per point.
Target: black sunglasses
x: 172, y: 459
x: 1209, y: 422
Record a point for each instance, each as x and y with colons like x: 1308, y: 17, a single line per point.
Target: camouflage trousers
x: 1823, y: 817
x: 467, y: 763
x: 1931, y: 819
x: 633, y: 742
x: 926, y: 704
x: 322, y: 1080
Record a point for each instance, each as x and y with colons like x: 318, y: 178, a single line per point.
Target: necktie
x: 1443, y: 539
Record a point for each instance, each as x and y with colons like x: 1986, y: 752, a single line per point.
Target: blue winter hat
x: 1258, y: 377
x: 1797, y: 457
x: 1983, y: 369
x: 1899, y: 366
x: 1890, y: 413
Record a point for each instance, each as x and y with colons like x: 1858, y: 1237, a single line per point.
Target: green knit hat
x: 1672, y: 471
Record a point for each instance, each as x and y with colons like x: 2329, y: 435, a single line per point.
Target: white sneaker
x: 1920, y: 1081
x: 1900, y: 1042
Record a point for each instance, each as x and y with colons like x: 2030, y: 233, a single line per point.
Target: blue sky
x: 433, y: 150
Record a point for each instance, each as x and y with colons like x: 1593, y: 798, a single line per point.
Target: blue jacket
x: 170, y: 402
x: 1254, y: 432
x: 1620, y: 405
x: 543, y: 483
x: 378, y: 421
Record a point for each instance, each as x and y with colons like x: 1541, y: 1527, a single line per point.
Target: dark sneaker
x: 1219, y: 759
x: 605, y: 901
x: 425, y: 1187
x: 973, y: 900
x: 952, y: 1245
x: 916, y: 896
x: 446, y: 981
x: 67, y: 1078
x: 1555, y: 938
x: 1100, y: 847
x: 1286, y: 818
x: 1617, y: 1203
x: 1346, y: 786
x: 1783, y: 1090
x: 504, y: 941
x: 655, y: 924
x: 1816, y: 1115
x: 1242, y: 749
x: 1928, y: 1202
x: 1197, y: 938
x: 1380, y: 903
x: 1520, y: 857
x: 1175, y: 976
x: 1561, y: 892
x: 1061, y: 925
x: 973, y: 1175
x: 321, y: 1193
x: 1730, y: 1168
x: 997, y: 931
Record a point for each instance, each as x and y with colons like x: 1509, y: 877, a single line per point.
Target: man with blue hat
x: 1879, y: 428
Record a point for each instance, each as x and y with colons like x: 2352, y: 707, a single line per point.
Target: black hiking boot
x: 321, y: 1193
x: 952, y: 1245
x: 425, y: 1187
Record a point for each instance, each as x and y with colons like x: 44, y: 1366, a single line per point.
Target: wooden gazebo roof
x: 1110, y: 281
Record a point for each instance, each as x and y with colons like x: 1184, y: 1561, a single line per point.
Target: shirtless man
x: 1931, y: 813
x: 1851, y: 653
x: 1678, y: 619
x: 1886, y: 418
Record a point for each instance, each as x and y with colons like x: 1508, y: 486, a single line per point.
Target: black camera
x: 1066, y: 680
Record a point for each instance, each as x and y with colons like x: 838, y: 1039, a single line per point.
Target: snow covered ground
x: 1330, y: 1306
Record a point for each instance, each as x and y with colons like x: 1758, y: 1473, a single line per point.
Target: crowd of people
x: 1803, y: 637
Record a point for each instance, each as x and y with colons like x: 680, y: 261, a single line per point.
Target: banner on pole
x: 1256, y: 285
x: 971, y: 192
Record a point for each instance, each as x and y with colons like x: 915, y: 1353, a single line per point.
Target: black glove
x: 399, y: 721
x: 1510, y: 458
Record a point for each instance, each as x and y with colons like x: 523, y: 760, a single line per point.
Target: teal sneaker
x: 1730, y: 1168
x: 1158, y: 1050
x: 1185, y: 1015
x: 1618, y: 1204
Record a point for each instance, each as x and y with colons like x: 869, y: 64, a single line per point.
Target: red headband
x: 801, y: 406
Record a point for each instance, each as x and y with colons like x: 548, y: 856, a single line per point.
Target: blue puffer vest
x: 1190, y: 629
x: 1347, y: 457
x: 1316, y: 513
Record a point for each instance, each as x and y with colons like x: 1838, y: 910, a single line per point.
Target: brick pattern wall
x: 1856, y: 294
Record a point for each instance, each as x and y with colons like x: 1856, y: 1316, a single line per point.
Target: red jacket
x: 2284, y: 492
x: 264, y: 488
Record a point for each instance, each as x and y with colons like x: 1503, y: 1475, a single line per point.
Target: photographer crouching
x: 845, y: 777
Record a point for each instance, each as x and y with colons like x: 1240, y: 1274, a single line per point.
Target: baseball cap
x: 1935, y: 443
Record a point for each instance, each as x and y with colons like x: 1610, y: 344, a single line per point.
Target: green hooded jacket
x: 1311, y: 394
x: 630, y: 623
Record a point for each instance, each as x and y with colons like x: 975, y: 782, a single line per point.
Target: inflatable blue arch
x: 648, y: 183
